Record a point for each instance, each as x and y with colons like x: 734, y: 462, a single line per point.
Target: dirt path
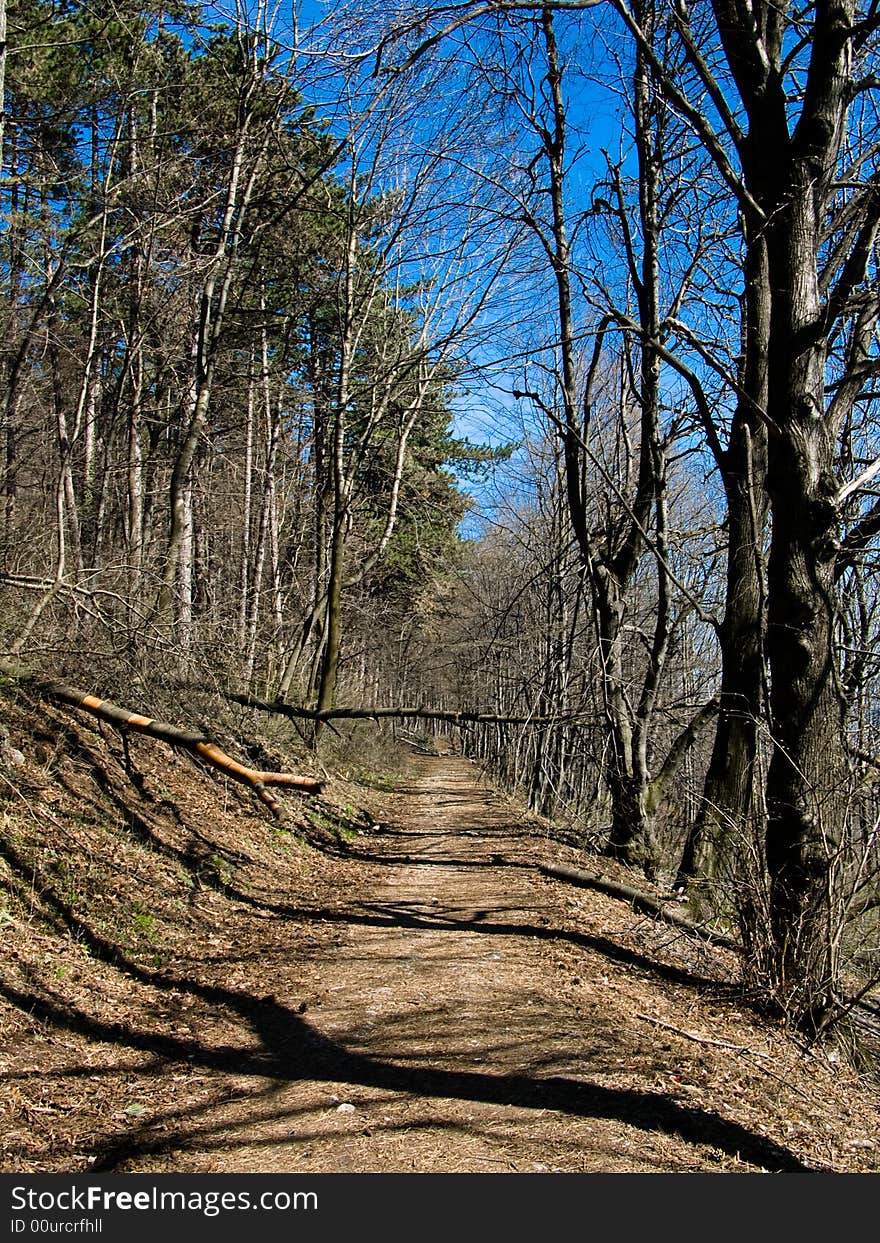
x: 423, y: 1000
x: 463, y: 1013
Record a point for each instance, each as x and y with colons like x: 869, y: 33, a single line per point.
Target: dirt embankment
x: 186, y: 987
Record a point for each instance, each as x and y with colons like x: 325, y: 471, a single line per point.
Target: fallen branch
x: 641, y: 902
x: 464, y: 717
x: 188, y: 740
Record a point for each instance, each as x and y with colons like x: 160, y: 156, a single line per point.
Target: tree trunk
x: 806, y: 777
x: 729, y: 789
x: 333, y: 630
x: 727, y: 816
x: 790, y: 177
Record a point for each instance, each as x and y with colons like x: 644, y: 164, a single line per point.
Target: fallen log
x: 448, y: 716
x: 188, y: 740
x: 639, y: 901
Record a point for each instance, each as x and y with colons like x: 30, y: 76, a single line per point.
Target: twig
x: 723, y: 1044
x: 720, y: 1044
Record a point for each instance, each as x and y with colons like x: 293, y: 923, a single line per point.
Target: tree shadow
x: 397, y: 914
x: 291, y: 1050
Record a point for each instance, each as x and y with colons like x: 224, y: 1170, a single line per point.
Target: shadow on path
x: 290, y: 1050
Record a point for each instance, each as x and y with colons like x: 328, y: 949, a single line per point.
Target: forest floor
x: 222, y: 997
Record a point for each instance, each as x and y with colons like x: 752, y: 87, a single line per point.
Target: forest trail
x: 462, y: 1013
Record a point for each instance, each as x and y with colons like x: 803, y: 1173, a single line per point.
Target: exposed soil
x: 193, y: 990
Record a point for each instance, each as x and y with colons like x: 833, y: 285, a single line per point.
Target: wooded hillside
x: 265, y: 282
